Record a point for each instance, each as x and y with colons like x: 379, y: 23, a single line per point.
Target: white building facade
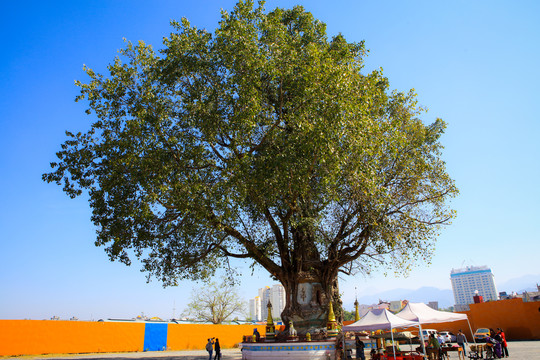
x: 255, y: 309
x: 470, y: 281
x: 264, y: 295
x: 277, y: 296
x: 258, y: 307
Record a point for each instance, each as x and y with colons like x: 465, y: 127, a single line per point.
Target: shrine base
x: 315, y: 350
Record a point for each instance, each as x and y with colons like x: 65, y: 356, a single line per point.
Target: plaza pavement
x: 518, y: 350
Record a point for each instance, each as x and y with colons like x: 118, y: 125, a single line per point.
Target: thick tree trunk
x: 308, y: 297
x: 310, y: 284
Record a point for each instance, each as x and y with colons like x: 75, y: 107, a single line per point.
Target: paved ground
x: 227, y: 354
x: 519, y: 350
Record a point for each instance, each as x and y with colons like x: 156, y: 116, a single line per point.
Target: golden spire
x: 270, y: 328
x: 269, y: 320
x: 356, y: 314
x: 331, y: 324
x: 331, y: 316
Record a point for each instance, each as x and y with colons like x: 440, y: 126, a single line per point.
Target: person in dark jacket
x: 217, y: 348
x: 256, y: 335
x: 360, y: 348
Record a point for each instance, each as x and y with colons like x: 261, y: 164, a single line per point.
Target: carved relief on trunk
x: 311, y: 309
x: 311, y: 294
x: 318, y: 297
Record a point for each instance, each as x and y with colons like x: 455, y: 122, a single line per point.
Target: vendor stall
x: 423, y: 314
x: 382, y: 319
x: 400, y: 353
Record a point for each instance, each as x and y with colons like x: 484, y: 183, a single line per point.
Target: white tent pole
x: 422, y: 340
x: 393, y: 346
x: 472, y: 334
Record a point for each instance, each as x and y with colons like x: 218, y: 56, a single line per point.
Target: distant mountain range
x: 445, y: 297
x: 424, y: 294
x: 520, y: 284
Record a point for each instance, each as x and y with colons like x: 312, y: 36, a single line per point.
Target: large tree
x: 264, y: 140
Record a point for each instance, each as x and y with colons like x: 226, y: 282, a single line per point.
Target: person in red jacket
x: 503, y: 343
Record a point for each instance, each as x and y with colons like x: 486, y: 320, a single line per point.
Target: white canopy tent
x: 380, y: 319
x: 423, y: 314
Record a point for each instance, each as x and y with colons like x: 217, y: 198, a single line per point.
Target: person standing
x: 210, y: 348
x: 461, y: 339
x: 360, y: 348
x: 503, y: 342
x: 440, y: 339
x: 435, y: 346
x: 494, y: 345
x: 217, y: 348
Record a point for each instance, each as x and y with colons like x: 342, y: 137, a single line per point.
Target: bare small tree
x: 215, y: 302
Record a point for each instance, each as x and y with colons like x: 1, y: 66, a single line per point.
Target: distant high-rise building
x: 255, y: 309
x: 264, y: 294
x: 277, y: 296
x: 258, y: 307
x: 470, y: 281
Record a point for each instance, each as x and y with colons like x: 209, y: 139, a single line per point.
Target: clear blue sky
x: 473, y: 63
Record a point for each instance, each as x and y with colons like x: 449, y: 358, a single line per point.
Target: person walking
x: 210, y: 348
x: 461, y: 340
x: 504, y: 345
x: 217, y: 348
x: 360, y: 348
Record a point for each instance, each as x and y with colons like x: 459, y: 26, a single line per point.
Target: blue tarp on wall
x: 155, y: 337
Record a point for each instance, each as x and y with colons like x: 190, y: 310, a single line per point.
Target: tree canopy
x: 264, y: 140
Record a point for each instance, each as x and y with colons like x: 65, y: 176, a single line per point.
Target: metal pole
x: 393, y: 346
x: 422, y: 341
x: 472, y: 334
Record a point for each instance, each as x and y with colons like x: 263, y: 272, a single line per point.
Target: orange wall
x: 193, y: 336
x: 24, y: 337
x: 33, y: 337
x: 519, y: 320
